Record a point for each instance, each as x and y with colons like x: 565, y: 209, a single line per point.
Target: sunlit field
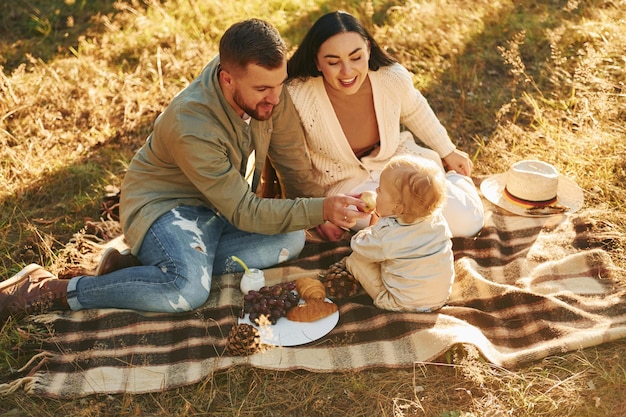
x: 81, y: 83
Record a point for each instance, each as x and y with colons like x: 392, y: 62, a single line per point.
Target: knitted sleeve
x: 415, y: 113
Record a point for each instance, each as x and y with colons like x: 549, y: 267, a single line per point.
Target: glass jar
x: 253, y: 279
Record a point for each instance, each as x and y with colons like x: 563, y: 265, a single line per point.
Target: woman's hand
x: 458, y: 161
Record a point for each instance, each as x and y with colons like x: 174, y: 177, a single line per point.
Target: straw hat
x: 533, y: 188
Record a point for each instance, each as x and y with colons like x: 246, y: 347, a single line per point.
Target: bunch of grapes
x: 272, y: 302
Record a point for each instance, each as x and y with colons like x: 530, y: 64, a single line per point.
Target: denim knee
x: 294, y: 243
x: 197, y: 289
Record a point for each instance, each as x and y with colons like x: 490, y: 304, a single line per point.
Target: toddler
x: 404, y: 260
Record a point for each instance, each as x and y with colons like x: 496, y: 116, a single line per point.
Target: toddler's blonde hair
x: 421, y: 186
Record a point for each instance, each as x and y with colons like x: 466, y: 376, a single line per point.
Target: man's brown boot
x: 113, y: 260
x: 33, y: 290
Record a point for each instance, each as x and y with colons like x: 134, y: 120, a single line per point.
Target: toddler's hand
x: 329, y: 231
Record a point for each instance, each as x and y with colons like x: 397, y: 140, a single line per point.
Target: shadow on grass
x: 468, y: 104
x: 46, y: 29
x: 43, y: 218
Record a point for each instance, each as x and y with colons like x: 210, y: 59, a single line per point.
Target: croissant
x: 310, y: 289
x: 312, y: 310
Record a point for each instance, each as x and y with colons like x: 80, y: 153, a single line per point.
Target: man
x: 186, y: 206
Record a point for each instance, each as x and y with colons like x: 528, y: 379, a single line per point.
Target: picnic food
x: 310, y: 289
x: 369, y: 197
x: 272, y: 302
x: 312, y: 310
x: 339, y: 282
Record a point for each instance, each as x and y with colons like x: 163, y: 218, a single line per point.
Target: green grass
x: 82, y: 82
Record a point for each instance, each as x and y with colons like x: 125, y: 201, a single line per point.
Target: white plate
x: 293, y: 333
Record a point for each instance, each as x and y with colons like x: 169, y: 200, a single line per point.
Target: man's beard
x: 252, y: 112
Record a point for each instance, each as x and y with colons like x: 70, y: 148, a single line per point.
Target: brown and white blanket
x: 526, y: 288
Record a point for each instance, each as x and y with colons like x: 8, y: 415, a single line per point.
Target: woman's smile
x: 349, y: 82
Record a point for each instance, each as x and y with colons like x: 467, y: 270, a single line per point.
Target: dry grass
x: 82, y: 82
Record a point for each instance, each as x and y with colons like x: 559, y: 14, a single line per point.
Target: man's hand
x: 458, y: 161
x: 338, y: 210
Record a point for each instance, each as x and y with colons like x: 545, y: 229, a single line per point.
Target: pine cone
x: 339, y: 282
x: 243, y: 340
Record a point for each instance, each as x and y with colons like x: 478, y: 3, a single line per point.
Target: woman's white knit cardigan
x: 396, y: 101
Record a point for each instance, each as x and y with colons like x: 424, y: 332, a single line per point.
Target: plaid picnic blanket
x: 526, y: 288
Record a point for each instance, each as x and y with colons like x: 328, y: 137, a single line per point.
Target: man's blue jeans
x: 180, y: 253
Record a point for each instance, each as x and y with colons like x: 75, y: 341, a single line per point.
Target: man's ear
x: 226, y: 78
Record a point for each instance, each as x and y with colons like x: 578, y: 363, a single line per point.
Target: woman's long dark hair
x: 302, y: 64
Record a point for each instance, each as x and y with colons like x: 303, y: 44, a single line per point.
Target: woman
x: 353, y: 99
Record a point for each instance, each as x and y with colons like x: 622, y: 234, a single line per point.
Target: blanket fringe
x: 27, y: 383
x: 42, y: 357
x: 46, y: 318
x: 592, y: 233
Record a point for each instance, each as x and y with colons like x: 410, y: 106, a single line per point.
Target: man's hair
x: 303, y: 62
x: 251, y: 41
x: 420, y: 185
